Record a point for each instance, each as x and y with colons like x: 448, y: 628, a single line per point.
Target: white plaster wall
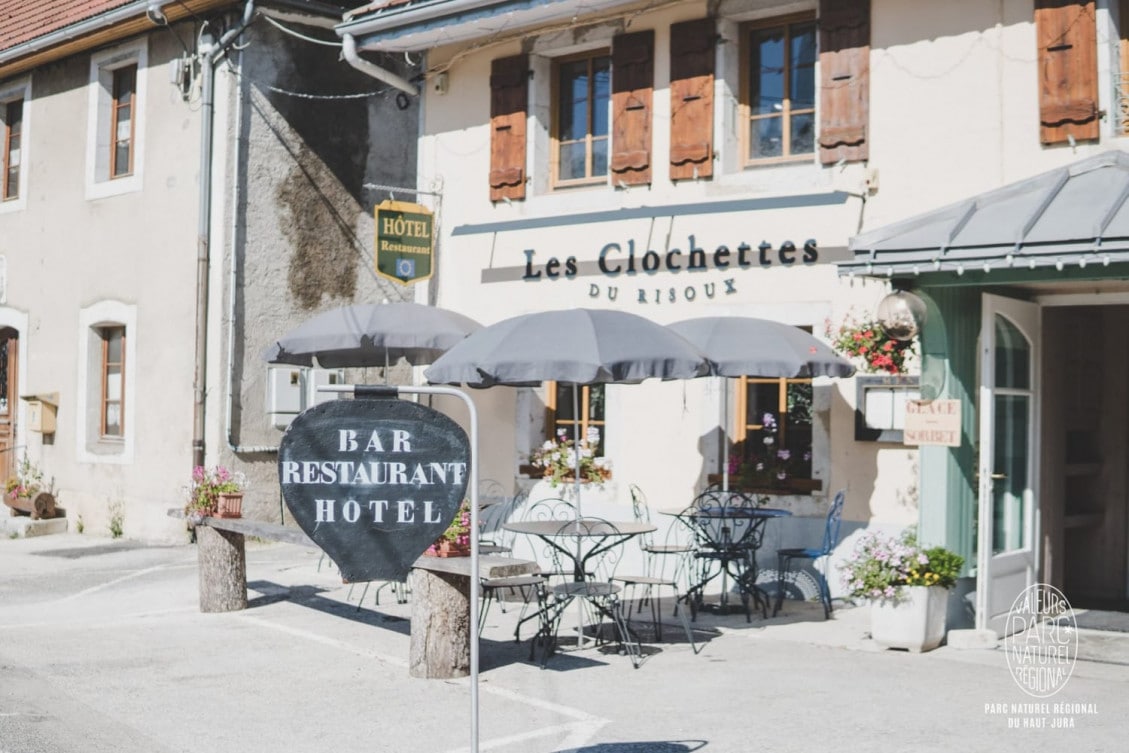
x: 67, y: 253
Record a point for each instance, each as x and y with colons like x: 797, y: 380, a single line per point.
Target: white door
x: 1007, y: 529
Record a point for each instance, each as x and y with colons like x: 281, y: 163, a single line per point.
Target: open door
x: 9, y: 407
x: 1007, y: 528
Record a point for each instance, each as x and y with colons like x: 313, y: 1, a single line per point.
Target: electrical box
x: 41, y: 409
x: 319, y: 378
x: 286, y: 389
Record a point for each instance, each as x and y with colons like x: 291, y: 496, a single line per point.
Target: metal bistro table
x: 581, y: 540
x: 728, y: 537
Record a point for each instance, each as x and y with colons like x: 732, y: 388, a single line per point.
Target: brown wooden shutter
x: 1066, y: 35
x: 692, y: 45
x: 633, y: 74
x: 844, y: 87
x: 509, y: 100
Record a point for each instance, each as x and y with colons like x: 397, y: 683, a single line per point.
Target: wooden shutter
x: 509, y: 100
x: 692, y: 46
x: 1066, y: 35
x: 844, y: 86
x: 633, y: 73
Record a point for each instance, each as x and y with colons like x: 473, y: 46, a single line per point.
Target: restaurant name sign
x: 373, y: 481
x: 404, y: 241
x: 620, y: 262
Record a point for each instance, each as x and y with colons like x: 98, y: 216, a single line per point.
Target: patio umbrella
x: 743, y: 346
x: 371, y: 335
x: 574, y: 346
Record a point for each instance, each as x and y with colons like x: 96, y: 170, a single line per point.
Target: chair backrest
x: 720, y: 521
x: 491, y: 518
x: 834, y: 518
x: 597, y: 532
x: 641, y: 511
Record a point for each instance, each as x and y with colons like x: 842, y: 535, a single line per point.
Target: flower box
x: 788, y: 486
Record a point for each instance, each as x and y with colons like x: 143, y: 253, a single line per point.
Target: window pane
x: 113, y: 419
x: 767, y: 79
x: 765, y: 138
x: 596, y: 402
x: 803, y: 134
x: 572, y: 161
x: 600, y: 157
x: 761, y: 398
x: 1009, y: 530
x: 114, y: 383
x: 113, y: 345
x: 564, y: 403
x: 572, y: 110
x: 602, y: 85
x: 802, y: 83
x: 4, y: 343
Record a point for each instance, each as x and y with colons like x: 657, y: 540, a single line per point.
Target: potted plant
x: 907, y: 586
x: 25, y: 492
x: 455, y: 541
x: 556, y: 459
x: 867, y: 343
x: 215, y: 492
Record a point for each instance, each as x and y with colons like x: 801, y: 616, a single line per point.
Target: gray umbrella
x: 574, y: 346
x: 743, y: 346
x: 372, y: 335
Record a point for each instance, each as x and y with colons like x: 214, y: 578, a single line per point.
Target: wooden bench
x: 440, y: 616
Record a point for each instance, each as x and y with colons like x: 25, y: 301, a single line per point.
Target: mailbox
x: 41, y: 411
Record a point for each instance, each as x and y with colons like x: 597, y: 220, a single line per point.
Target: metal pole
x: 472, y: 482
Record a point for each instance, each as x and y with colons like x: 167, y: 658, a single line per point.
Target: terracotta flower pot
x: 229, y: 505
x: 446, y: 548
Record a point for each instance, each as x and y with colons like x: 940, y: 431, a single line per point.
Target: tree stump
x: 440, y: 639
x: 223, y: 570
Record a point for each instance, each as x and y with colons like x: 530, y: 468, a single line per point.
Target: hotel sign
x: 404, y: 241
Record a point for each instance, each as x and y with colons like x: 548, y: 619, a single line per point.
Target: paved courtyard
x: 103, y: 648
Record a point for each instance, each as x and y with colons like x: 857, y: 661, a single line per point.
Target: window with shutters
x: 581, y: 106
x: 633, y: 74
x: 778, y: 104
x: 509, y: 103
x: 1067, y: 43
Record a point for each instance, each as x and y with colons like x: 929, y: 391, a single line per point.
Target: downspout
x: 209, y: 54
x: 349, y: 48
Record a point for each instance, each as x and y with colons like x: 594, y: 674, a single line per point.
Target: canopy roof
x: 1074, y: 215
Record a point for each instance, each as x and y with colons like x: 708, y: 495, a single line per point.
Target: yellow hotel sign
x: 404, y: 241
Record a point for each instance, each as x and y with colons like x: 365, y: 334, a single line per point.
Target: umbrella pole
x: 724, y: 435
x: 576, y: 483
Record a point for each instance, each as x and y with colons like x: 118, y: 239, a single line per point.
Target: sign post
x: 401, y: 418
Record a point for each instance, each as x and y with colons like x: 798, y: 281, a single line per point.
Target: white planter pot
x: 915, y: 621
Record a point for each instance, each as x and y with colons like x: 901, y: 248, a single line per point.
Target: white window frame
x: 90, y: 447
x: 20, y: 89
x: 99, y: 184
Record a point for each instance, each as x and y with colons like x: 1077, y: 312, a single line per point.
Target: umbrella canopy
x: 574, y: 346
x: 744, y: 346
x: 371, y: 335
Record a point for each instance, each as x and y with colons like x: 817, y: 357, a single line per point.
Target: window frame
x: 553, y: 423
x: 743, y: 430
x: 116, y: 107
x: 556, y: 64
x: 19, y: 91
x: 10, y: 132
x: 100, y: 181
x: 106, y: 333
x: 91, y: 445
x: 745, y: 116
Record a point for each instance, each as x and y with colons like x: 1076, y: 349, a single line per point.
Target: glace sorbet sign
x: 373, y: 481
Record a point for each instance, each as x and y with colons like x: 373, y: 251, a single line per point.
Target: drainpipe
x: 209, y: 53
x: 349, y: 47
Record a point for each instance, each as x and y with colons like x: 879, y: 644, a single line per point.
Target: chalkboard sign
x: 373, y: 481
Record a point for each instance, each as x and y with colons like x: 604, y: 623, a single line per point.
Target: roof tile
x: 24, y: 20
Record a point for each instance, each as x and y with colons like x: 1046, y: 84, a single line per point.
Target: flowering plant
x: 882, y: 564
x: 767, y: 465
x: 868, y: 342
x: 557, y: 459
x: 208, y: 484
x: 27, y: 482
x: 459, y: 531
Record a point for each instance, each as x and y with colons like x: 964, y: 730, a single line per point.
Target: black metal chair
x: 786, y: 557
x: 728, y: 534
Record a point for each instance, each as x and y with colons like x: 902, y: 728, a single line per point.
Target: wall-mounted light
x: 901, y: 315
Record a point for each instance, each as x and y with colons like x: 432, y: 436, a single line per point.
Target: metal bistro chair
x: 830, y: 541
x: 728, y: 537
x: 500, y: 540
x: 598, y: 592
x: 664, y: 565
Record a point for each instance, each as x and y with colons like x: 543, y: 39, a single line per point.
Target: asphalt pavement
x: 103, y: 648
